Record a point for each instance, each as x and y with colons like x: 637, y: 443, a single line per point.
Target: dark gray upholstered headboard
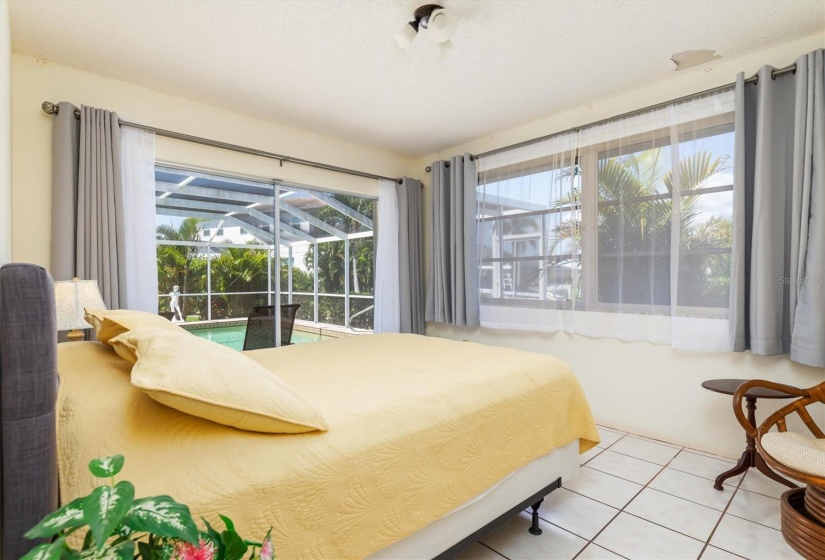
x: 28, y: 381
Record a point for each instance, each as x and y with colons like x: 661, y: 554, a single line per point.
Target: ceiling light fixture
x: 439, y: 22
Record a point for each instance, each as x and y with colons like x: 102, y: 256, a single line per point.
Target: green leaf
x: 234, y: 545
x: 49, y: 551
x: 215, y: 537
x: 69, y: 516
x: 123, y: 551
x: 164, y: 517
x: 107, y: 466
x: 88, y: 541
x: 228, y: 522
x: 105, y: 508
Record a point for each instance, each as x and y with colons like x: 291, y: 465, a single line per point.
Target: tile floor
x: 637, y: 498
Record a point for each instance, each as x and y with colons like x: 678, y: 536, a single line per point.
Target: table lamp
x: 71, y: 297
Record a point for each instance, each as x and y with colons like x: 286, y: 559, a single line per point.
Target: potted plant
x: 121, y: 527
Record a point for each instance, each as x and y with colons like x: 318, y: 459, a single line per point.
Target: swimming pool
x: 233, y: 336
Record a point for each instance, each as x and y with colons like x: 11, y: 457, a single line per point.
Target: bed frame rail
x: 533, y: 502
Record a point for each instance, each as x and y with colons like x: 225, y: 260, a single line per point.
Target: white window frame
x: 588, y: 158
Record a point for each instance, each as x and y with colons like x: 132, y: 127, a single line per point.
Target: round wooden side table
x: 750, y: 457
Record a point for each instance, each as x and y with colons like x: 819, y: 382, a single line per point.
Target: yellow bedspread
x: 417, y: 426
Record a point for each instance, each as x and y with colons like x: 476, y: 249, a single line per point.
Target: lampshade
x: 442, y: 25
x: 71, y: 298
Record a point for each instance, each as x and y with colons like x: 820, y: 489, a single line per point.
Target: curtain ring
x: 773, y: 74
x: 428, y: 169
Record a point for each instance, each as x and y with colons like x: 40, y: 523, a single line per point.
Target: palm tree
x: 180, y: 265
x: 330, y: 258
x: 634, y: 221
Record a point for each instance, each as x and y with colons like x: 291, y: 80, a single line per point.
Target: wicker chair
x: 260, y: 327
x: 796, y: 456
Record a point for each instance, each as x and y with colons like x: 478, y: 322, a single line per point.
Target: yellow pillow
x: 109, y: 323
x: 205, y: 379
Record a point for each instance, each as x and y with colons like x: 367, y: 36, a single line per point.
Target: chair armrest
x: 747, y: 386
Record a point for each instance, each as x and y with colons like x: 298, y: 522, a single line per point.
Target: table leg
x: 747, y: 460
x: 751, y: 457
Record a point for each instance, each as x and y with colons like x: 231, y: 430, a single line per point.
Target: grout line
x: 494, y: 550
x: 618, y: 513
x: 706, y: 542
x: 721, y: 517
x: 751, y: 520
x: 631, y: 456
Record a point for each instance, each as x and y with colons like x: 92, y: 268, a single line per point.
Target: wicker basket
x: 801, y: 530
x: 815, y: 504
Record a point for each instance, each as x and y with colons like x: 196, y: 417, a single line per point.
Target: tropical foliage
x: 112, y: 524
x: 245, y: 270
x: 634, y: 227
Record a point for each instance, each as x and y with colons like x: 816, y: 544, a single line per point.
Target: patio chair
x: 797, y: 456
x: 260, y: 327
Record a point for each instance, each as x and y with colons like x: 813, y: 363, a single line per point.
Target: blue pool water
x: 233, y: 336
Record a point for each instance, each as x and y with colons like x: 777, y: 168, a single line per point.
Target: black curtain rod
x: 52, y: 109
x: 752, y: 80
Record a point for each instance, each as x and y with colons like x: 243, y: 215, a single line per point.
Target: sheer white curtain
x: 387, y: 311
x: 138, y: 162
x: 622, y: 230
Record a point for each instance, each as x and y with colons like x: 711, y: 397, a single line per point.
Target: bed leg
x: 534, y: 527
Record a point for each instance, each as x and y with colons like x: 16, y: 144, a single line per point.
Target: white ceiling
x: 331, y: 66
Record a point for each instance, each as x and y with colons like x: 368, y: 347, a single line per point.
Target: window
x: 664, y: 205
x: 631, y: 217
x: 218, y: 242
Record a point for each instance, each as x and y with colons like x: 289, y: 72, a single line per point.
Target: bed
x: 431, y: 443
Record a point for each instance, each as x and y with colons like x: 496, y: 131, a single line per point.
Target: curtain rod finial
x: 50, y: 108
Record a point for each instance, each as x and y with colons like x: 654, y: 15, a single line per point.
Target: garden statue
x: 174, y: 305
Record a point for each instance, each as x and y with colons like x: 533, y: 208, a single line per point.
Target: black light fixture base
x: 422, y: 14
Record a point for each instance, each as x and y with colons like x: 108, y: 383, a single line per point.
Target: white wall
x: 35, y: 81
x: 5, y: 134
x: 649, y: 389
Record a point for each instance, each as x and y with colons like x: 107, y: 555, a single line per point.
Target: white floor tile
x: 755, y: 481
x: 693, y: 488
x: 479, y: 552
x: 608, y: 437
x: 625, y: 466
x: 576, y: 513
x: 585, y: 457
x: 714, y: 455
x: 603, y: 487
x: 609, y: 429
x: 757, y: 508
x: 645, y: 449
x: 513, y: 541
x: 704, y: 466
x: 632, y: 537
x: 713, y: 553
x: 675, y: 513
x: 751, y: 540
x: 595, y: 552
x: 654, y: 440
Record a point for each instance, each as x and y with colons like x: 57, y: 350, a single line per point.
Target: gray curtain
x: 410, y: 256
x: 88, y: 232
x: 777, y: 299
x: 65, y: 150
x: 452, y: 292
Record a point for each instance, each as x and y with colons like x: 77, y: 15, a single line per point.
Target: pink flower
x: 204, y: 551
x: 267, y: 549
